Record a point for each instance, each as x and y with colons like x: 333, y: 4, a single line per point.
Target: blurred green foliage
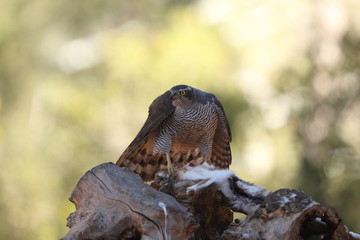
x: 76, y: 79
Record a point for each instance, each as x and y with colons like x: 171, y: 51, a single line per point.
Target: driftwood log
x: 114, y: 203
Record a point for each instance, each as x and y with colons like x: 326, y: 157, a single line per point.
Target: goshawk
x: 185, y: 125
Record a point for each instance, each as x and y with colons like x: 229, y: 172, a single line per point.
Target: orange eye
x: 182, y: 93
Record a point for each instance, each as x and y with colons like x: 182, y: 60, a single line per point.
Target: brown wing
x: 221, y: 152
x: 138, y: 155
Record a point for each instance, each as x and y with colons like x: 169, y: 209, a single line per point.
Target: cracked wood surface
x: 113, y: 203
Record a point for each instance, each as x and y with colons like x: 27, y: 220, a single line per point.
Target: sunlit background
x: 77, y: 78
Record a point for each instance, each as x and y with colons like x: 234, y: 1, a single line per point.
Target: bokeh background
x: 77, y: 78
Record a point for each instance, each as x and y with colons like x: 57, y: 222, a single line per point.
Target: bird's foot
x: 170, y: 167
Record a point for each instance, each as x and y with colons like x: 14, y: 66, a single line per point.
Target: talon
x: 169, y: 165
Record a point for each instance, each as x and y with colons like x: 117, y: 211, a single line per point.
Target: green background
x: 77, y: 77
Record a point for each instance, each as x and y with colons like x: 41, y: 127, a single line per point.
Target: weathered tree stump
x: 114, y: 203
x: 289, y: 214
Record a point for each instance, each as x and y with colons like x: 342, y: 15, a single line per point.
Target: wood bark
x: 114, y: 203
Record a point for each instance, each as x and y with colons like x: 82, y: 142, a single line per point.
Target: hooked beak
x: 173, y: 96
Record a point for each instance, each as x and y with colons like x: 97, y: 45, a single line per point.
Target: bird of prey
x: 185, y: 125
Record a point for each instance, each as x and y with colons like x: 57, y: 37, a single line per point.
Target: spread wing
x: 138, y: 155
x: 221, y: 152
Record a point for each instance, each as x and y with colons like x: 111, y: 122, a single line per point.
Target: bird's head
x: 182, y: 95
